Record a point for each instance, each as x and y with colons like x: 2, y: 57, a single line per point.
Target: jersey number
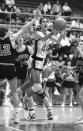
x: 44, y: 48
x: 5, y: 50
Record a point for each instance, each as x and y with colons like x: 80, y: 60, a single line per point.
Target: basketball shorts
x: 38, y: 64
x: 7, y: 71
x: 21, y: 73
x: 80, y: 79
x: 68, y: 84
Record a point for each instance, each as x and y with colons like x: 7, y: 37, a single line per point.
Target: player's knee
x: 42, y: 95
x: 14, y: 91
x: 2, y: 94
x: 37, y: 87
x: 81, y: 93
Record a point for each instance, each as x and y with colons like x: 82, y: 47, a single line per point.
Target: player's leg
x: 15, y: 98
x: 37, y: 88
x: 28, y: 92
x: 3, y: 85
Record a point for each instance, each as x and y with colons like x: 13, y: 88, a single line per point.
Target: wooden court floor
x: 65, y: 119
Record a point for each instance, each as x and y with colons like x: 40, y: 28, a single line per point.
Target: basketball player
x: 7, y: 60
x: 34, y: 86
x: 23, y: 53
x: 78, y: 56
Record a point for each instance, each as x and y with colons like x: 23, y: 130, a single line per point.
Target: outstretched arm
x: 27, y: 26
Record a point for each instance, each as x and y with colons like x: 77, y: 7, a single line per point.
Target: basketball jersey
x: 79, y: 60
x: 22, y: 58
x: 40, y: 47
x: 40, y: 51
x: 7, y: 52
x: 69, y: 74
x: 79, y: 64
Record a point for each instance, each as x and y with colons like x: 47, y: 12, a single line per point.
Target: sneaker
x: 25, y: 106
x: 50, y: 116
x: 75, y: 103
x: 71, y: 105
x: 56, y: 92
x: 24, y: 115
x: 80, y: 120
x: 63, y: 105
x: 16, y: 118
x: 50, y: 104
x: 32, y: 117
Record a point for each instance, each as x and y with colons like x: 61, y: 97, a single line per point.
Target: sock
x: 16, y: 110
x: 31, y: 111
x: 49, y: 109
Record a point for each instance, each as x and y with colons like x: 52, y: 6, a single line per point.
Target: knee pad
x: 42, y: 95
x: 2, y: 94
x: 37, y: 87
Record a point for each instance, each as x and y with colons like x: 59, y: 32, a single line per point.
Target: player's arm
x: 50, y: 36
x: 58, y: 40
x: 76, y: 53
x: 30, y: 50
x: 27, y: 26
x: 46, y: 37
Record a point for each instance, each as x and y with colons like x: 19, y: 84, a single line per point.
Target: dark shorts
x: 68, y: 84
x: 7, y: 71
x: 80, y: 79
x: 37, y: 64
x: 21, y: 73
x: 50, y: 83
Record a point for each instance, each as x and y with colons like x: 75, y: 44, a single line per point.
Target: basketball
x: 59, y: 24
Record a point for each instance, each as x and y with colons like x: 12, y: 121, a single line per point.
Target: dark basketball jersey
x: 22, y: 58
x: 7, y: 52
x: 79, y: 64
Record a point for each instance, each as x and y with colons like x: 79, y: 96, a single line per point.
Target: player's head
x: 80, y: 45
x: 3, y: 30
x: 59, y: 24
x: 20, y: 41
x: 44, y: 23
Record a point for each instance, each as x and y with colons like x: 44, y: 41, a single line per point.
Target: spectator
x: 3, y: 16
x: 15, y: 16
x: 47, y: 8
x: 76, y: 24
x: 56, y: 9
x: 66, y: 9
x: 9, y: 4
x: 69, y: 77
x: 3, y: 7
x: 41, y: 7
x: 16, y: 9
x: 65, y: 41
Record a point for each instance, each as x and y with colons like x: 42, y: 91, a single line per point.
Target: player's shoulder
x: 30, y: 49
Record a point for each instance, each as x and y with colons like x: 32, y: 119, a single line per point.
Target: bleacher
x: 75, y: 4
x: 32, y: 4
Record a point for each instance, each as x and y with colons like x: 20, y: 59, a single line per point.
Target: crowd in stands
x: 45, y: 8
x: 55, y: 9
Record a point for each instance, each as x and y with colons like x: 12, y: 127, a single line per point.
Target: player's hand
x: 62, y: 32
x: 37, y: 14
x: 54, y: 31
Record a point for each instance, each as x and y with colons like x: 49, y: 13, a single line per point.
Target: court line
x: 13, y: 128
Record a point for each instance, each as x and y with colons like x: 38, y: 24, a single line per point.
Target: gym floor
x: 65, y: 119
